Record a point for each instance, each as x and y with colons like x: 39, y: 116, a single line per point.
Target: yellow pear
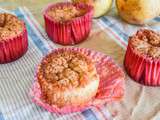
x: 138, y: 11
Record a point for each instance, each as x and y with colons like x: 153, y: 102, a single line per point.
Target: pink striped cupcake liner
x: 111, y: 87
x: 141, y: 68
x: 13, y: 48
x: 69, y: 32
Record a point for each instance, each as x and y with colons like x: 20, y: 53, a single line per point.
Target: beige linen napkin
x: 140, y: 102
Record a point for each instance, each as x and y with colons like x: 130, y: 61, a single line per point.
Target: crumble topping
x: 66, y: 69
x: 65, y: 13
x: 146, y: 42
x: 10, y: 26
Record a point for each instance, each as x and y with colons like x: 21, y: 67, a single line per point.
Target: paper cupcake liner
x: 141, y: 68
x: 70, y: 32
x: 13, y: 48
x: 111, y: 87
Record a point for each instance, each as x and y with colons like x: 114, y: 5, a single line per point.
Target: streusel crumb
x: 65, y: 13
x: 65, y: 69
x: 10, y: 26
x: 146, y: 42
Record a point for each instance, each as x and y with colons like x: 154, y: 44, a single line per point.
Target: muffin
x: 111, y: 79
x: 142, y: 58
x: 67, y: 78
x: 13, y: 38
x: 68, y: 23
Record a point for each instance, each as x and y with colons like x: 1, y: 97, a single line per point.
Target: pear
x: 138, y: 11
x: 100, y: 6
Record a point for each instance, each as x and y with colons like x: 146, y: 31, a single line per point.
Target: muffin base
x: 13, y: 48
x: 141, y: 68
x: 69, y: 32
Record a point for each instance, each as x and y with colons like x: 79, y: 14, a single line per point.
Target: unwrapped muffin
x: 110, y: 76
x: 67, y: 78
x: 142, y: 60
x: 68, y: 23
x: 13, y: 38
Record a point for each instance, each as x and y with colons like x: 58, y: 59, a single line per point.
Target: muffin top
x: 10, y: 26
x: 65, y: 13
x: 66, y: 69
x: 146, y: 42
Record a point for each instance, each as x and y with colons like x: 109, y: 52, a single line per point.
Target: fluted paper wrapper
x: 111, y: 87
x: 13, y: 48
x: 69, y: 32
x: 141, y: 68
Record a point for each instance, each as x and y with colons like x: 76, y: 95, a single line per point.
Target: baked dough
x: 146, y: 42
x: 10, y: 26
x: 67, y: 78
x: 65, y: 13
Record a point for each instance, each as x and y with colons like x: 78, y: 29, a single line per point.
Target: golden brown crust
x: 146, y: 42
x: 65, y: 73
x: 65, y: 13
x: 10, y: 26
